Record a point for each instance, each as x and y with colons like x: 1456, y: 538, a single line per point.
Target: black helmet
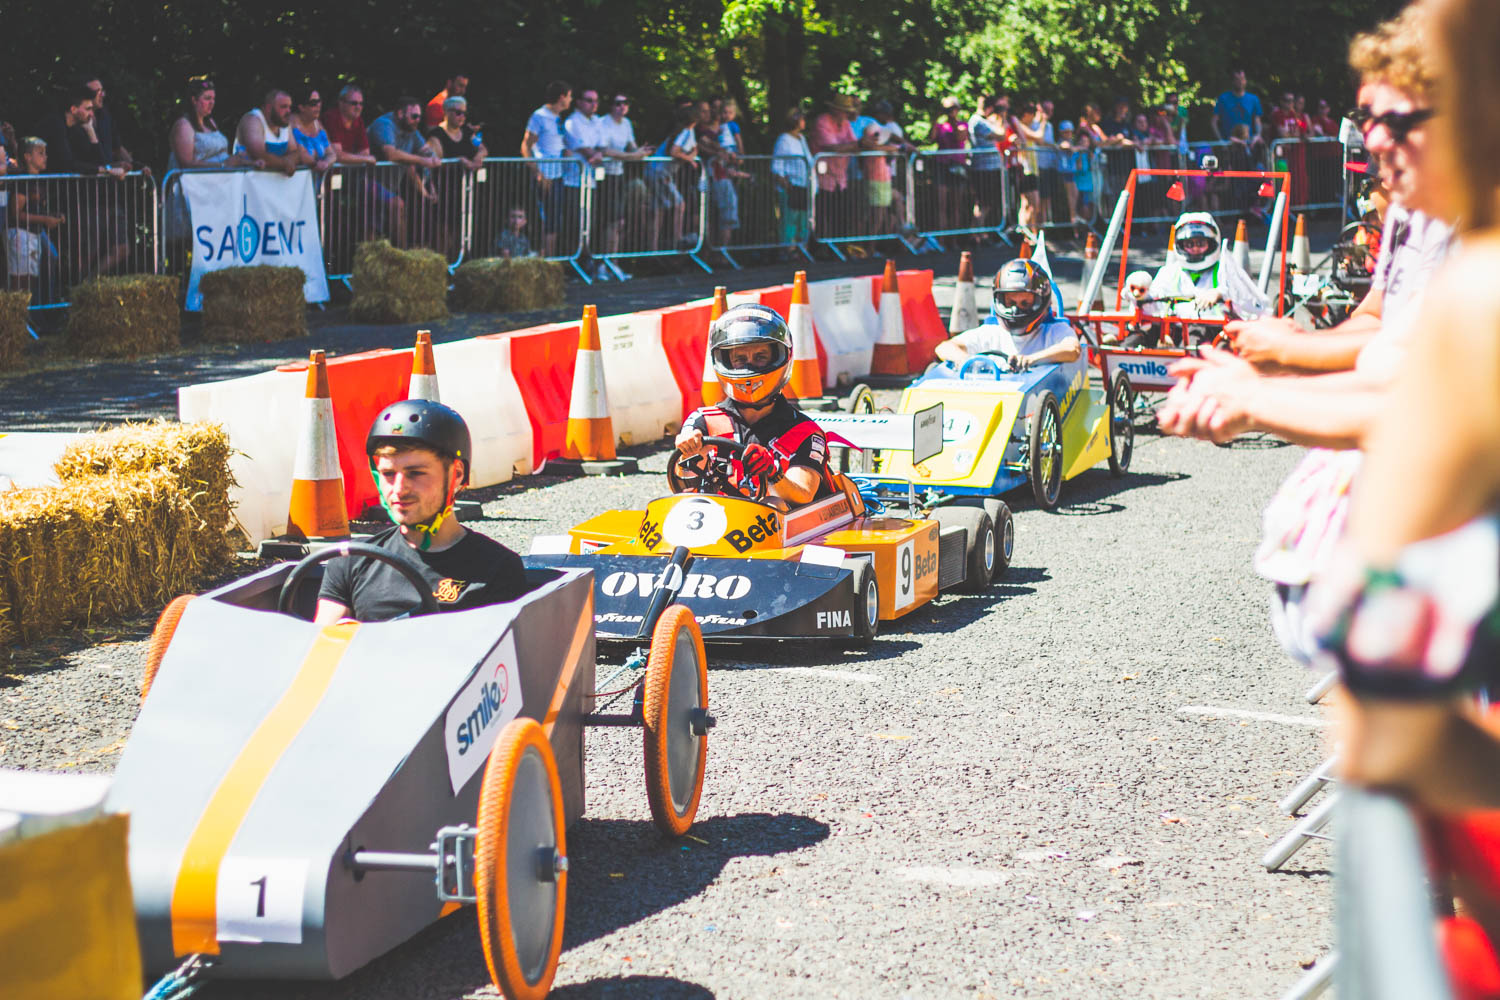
x: 1021, y: 275
x: 422, y: 421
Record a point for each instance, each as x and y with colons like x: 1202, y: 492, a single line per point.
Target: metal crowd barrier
x: 1223, y: 196
x: 427, y: 208
x: 653, y: 207
x: 768, y: 209
x: 533, y: 205
x: 63, y: 228
x: 951, y: 198
x: 1316, y: 165
x: 861, y: 198
x: 1058, y: 194
x: 1151, y: 202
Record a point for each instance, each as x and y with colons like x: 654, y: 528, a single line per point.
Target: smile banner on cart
x: 251, y: 218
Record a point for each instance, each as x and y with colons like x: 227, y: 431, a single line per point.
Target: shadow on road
x: 632, y: 987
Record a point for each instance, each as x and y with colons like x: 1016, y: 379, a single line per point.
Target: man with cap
x: 1022, y: 326
x: 419, y: 454
x: 750, y: 348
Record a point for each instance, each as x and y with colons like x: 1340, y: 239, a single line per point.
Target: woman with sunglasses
x: 307, y: 126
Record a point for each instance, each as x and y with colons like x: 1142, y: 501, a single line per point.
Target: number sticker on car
x: 906, y: 574
x: 260, y: 899
x: 695, y: 522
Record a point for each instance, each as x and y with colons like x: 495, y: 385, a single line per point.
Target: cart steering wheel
x: 994, y: 364
x: 364, y: 550
x: 714, y: 472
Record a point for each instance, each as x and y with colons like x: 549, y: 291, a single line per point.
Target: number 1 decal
x: 260, y: 899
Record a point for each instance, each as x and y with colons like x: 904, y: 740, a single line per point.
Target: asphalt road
x: 1040, y: 791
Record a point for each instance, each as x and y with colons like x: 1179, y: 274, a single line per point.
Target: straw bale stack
x: 13, y: 307
x: 398, y: 286
x: 517, y: 284
x: 140, y: 516
x: 249, y: 304
x: 123, y: 317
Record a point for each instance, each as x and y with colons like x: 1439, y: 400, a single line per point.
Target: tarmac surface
x: 1058, y: 788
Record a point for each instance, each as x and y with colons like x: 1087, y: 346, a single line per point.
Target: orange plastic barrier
x: 684, y: 337
x: 924, y: 325
x: 779, y: 297
x: 541, y: 359
x: 361, y: 385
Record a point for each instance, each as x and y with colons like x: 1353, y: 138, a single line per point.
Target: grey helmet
x: 742, y: 325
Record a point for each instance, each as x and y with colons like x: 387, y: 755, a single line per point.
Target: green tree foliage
x: 769, y: 54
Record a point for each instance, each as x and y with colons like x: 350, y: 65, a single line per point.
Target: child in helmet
x: 419, y: 454
x: 1022, y: 326
x: 1202, y: 279
x: 750, y: 348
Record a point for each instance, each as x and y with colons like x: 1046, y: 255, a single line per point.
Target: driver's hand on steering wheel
x: 690, y: 442
x: 1019, y: 362
x: 1208, y: 298
x: 758, y: 460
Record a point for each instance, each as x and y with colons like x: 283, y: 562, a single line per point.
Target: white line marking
x: 837, y: 675
x: 964, y: 877
x: 1241, y: 713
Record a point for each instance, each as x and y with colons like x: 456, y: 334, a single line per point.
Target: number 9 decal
x: 906, y: 589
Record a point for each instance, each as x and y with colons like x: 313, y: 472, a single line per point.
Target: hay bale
x: 247, y: 304
x: 398, y: 286
x: 13, y: 306
x: 98, y: 548
x: 122, y: 317
x: 197, y: 454
x: 517, y: 284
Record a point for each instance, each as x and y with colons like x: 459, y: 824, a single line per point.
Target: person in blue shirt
x: 1237, y: 106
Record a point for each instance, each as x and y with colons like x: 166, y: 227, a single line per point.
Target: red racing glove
x: 758, y: 460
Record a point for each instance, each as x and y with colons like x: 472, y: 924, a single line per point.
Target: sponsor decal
x: 764, y: 528
x: 963, y: 459
x: 1071, y: 396
x: 474, y: 718
x: 650, y: 533
x: 957, y: 427
x: 834, y: 619
x: 697, y: 586
x: 1153, y: 368
x: 613, y: 616
x: 718, y: 620
x: 448, y: 591
x: 695, y: 522
x: 587, y: 545
x: 923, y: 470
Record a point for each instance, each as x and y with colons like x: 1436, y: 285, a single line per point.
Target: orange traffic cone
x: 1242, y: 246
x: 317, y: 508
x: 807, y: 378
x: 1091, y: 247
x: 713, y: 392
x: 965, y: 314
x: 1301, y: 248
x: 889, y: 357
x: 424, y: 380
x: 591, y: 434
x: 1027, y: 247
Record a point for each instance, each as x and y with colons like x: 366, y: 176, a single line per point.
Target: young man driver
x: 419, y: 455
x: 751, y: 351
x: 1020, y: 325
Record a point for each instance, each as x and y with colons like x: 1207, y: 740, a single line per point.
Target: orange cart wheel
x: 161, y: 638
x: 520, y: 862
x: 676, y: 721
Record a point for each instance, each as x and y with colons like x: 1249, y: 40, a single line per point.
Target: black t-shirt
x: 463, y: 148
x: 474, y: 571
x: 811, y: 453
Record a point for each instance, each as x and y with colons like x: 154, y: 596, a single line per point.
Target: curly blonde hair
x: 1399, y: 52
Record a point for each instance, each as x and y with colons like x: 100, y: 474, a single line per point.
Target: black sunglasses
x: 1398, y: 123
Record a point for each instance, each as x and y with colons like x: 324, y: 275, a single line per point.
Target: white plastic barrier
x: 644, y: 402
x: 262, y: 414
x: 475, y: 378
x: 847, y: 324
x: 27, y: 457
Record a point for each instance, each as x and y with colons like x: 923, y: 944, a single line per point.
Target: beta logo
x: 697, y: 586
x: 765, y: 527
x: 835, y: 619
x: 250, y: 238
x: 1155, y: 368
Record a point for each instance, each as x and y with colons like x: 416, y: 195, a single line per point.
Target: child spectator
x: 512, y: 242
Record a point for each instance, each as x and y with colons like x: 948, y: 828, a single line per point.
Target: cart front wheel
x: 676, y: 721
x: 521, y: 862
x: 1045, y: 452
x: 1121, y: 425
x: 161, y: 638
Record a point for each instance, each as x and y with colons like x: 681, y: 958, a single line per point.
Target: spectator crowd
x: 416, y: 172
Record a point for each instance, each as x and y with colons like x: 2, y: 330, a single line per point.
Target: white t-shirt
x: 550, y: 140
x: 994, y: 338
x: 580, y: 131
x: 1404, y: 270
x: 616, y: 135
x: 686, y: 140
x: 729, y: 138
x: 796, y: 171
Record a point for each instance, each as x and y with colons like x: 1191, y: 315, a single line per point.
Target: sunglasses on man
x: 1399, y: 124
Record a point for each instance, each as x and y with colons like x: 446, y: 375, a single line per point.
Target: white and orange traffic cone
x: 807, y: 378
x: 889, y: 356
x: 1091, y: 247
x: 1301, y: 248
x: 424, y: 380
x: 1242, y: 246
x: 1027, y: 248
x: 965, y: 314
x: 591, y: 434
x: 317, y: 508
x: 713, y: 392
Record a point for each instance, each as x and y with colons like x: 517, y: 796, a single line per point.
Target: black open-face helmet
x: 424, y: 422
x: 1023, y: 294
